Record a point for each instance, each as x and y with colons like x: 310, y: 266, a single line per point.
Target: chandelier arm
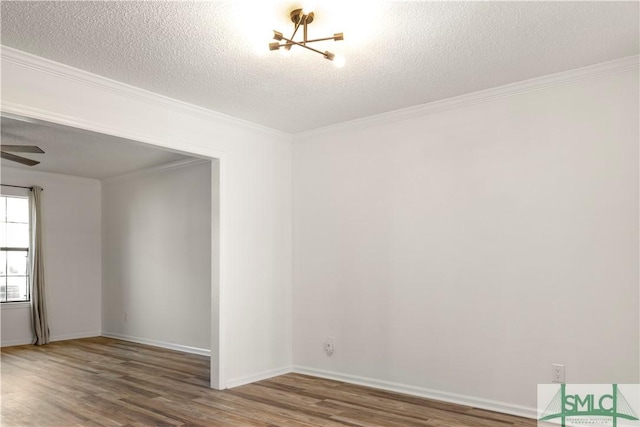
x: 295, y: 30
x: 305, y: 29
x: 302, y: 45
x: 321, y: 40
x: 297, y: 25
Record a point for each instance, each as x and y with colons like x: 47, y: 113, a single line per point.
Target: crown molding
x: 539, y: 83
x: 154, y: 169
x: 46, y: 174
x: 628, y: 63
x: 48, y: 66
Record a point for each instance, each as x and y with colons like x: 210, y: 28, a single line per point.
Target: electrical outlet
x: 329, y: 346
x: 126, y: 317
x: 557, y: 373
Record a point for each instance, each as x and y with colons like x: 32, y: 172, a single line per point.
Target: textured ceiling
x: 78, y: 152
x: 399, y: 54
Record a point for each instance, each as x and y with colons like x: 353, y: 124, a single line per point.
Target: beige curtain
x: 38, y: 304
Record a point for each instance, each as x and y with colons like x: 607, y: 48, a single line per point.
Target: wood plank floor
x: 107, y: 382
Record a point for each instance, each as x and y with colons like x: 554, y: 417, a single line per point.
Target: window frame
x: 11, y: 249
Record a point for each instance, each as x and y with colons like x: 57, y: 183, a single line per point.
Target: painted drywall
x: 251, y: 309
x: 156, y: 252
x: 465, y: 251
x: 71, y: 224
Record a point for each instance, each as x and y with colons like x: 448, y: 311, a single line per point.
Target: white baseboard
x: 11, y: 343
x: 75, y: 336
x: 170, y: 346
x: 460, y: 399
x: 65, y: 337
x: 258, y: 377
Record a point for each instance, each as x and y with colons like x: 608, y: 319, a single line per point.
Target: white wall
x: 429, y: 248
x: 156, y: 252
x: 466, y: 251
x: 71, y: 220
x: 251, y: 310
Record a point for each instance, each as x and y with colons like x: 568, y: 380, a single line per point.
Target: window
x: 14, y: 249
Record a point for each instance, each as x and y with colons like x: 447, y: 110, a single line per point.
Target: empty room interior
x: 270, y: 213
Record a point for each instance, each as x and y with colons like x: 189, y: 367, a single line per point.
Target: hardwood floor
x: 107, y: 382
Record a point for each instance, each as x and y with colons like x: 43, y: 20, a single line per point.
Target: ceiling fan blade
x: 21, y: 148
x: 18, y: 159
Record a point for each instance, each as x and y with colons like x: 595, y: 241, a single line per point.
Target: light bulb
x: 339, y: 61
x: 308, y: 6
x: 285, y: 52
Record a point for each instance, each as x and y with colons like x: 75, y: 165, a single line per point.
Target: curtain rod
x: 16, y: 186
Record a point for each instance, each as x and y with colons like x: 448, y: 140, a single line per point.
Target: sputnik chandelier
x: 300, y: 17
